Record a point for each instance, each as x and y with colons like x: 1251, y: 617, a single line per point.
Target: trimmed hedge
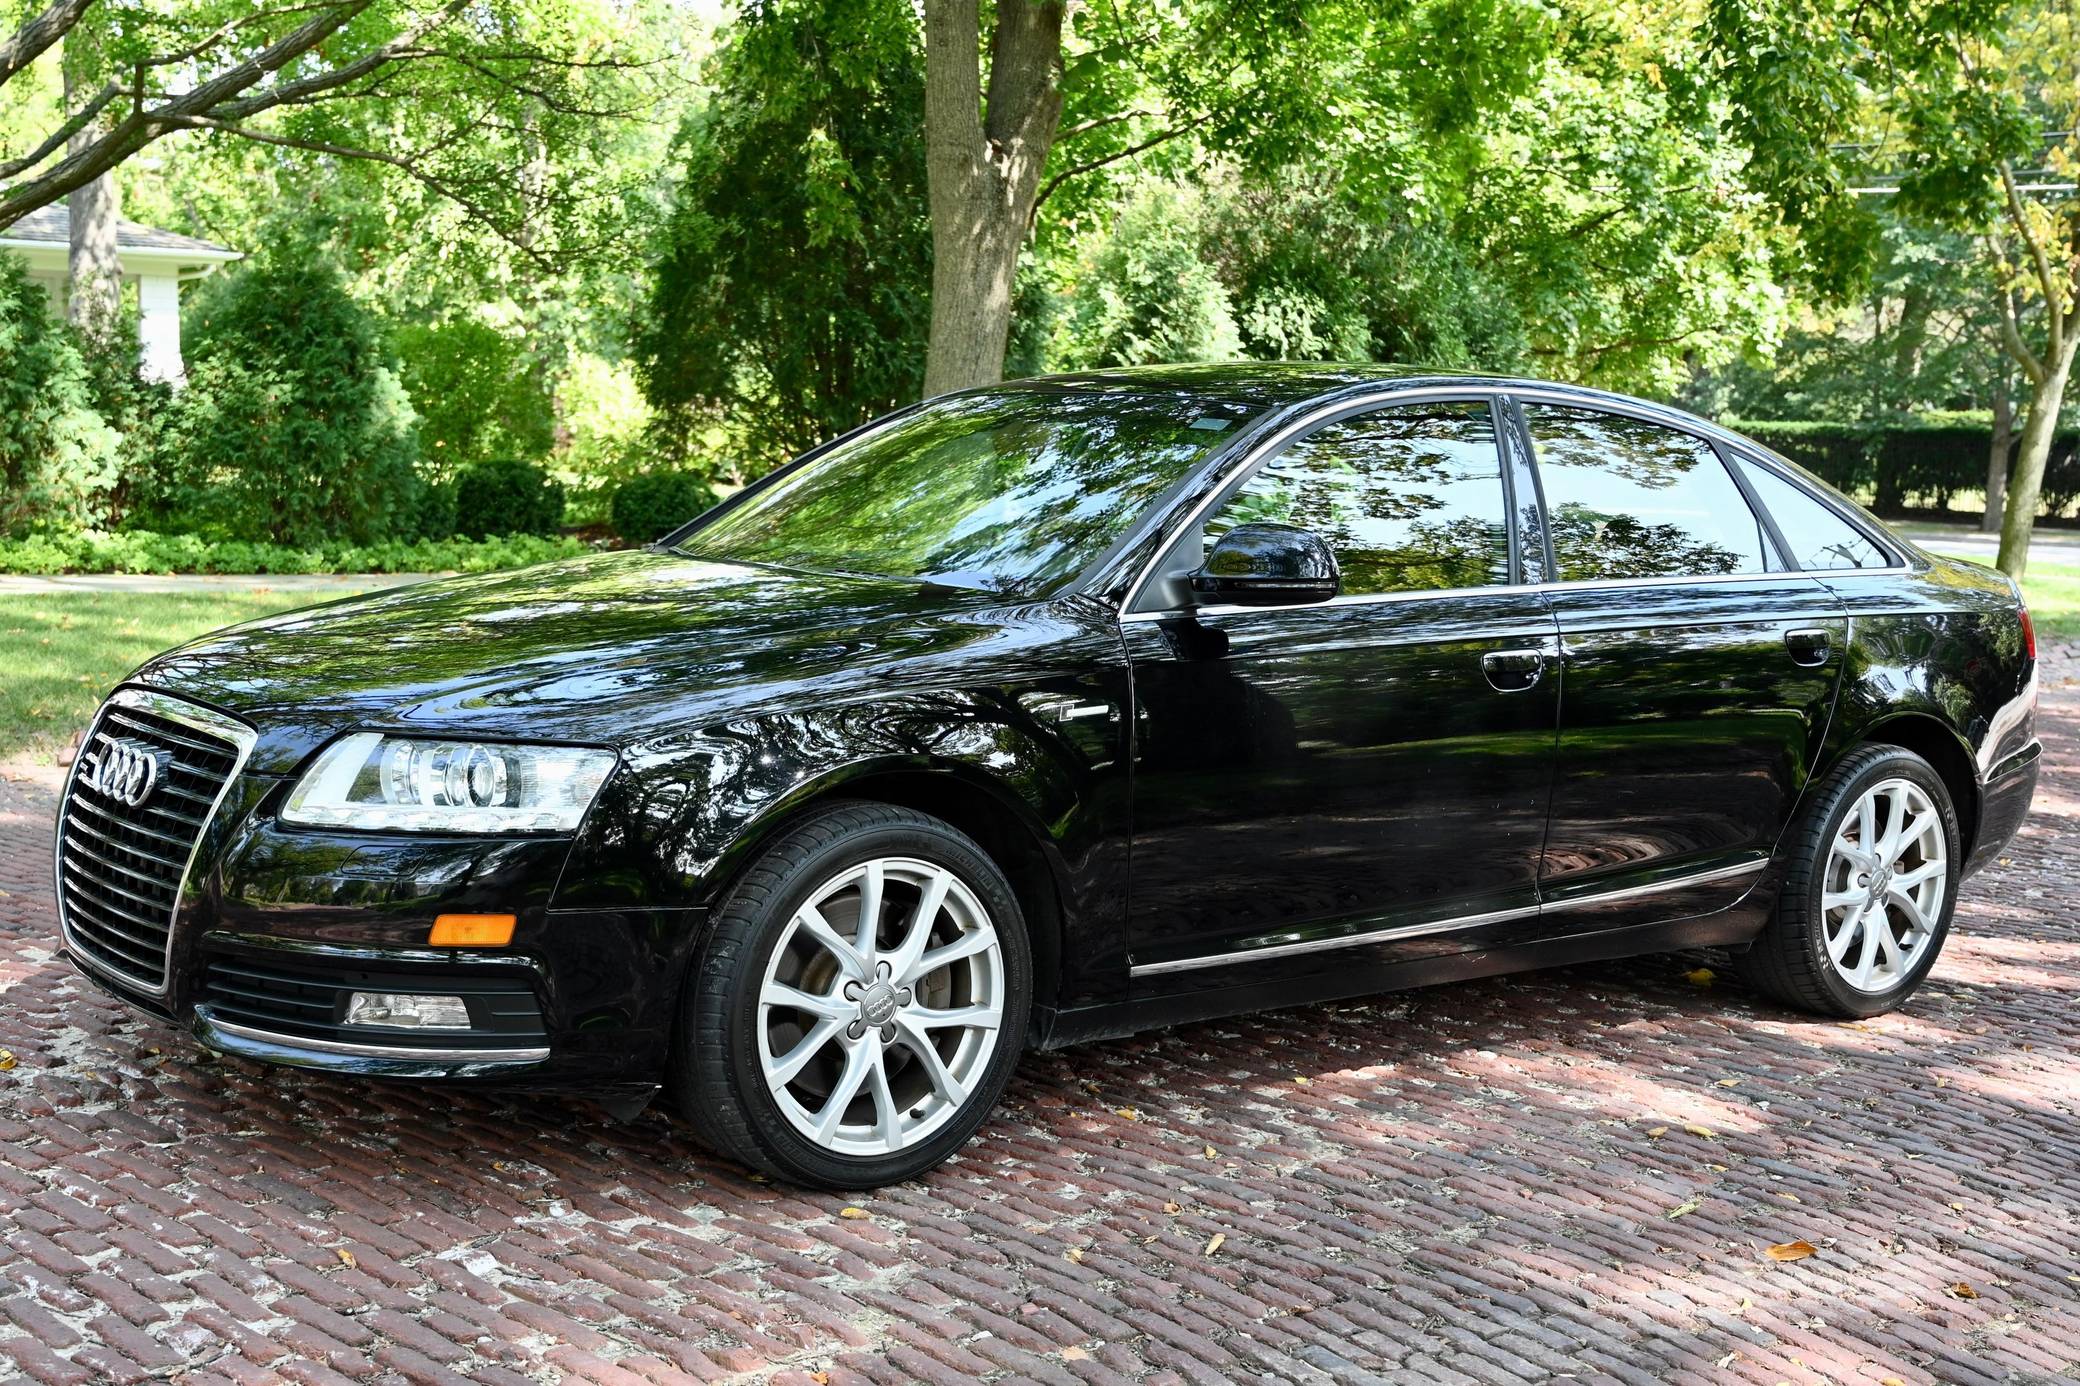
x: 1900, y: 464
x: 506, y: 496
x: 654, y: 504
x: 141, y: 551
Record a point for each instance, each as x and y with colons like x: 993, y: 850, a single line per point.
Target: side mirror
x: 1268, y: 565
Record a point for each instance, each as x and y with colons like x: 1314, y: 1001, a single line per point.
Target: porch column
x: 159, y: 328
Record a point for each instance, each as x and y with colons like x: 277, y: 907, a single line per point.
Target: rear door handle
x: 1513, y: 671
x: 1809, y: 647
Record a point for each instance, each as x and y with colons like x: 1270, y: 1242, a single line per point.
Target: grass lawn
x: 61, y: 653
x: 2053, y: 592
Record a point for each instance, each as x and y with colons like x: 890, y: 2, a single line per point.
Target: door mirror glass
x: 1268, y: 565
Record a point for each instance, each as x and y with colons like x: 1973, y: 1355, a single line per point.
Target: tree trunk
x: 96, y: 271
x: 982, y: 167
x: 2047, y: 395
x: 1997, y: 458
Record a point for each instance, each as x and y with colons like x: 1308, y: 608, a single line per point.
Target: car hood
x: 605, y: 649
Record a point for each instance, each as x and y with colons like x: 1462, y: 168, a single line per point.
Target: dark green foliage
x: 790, y: 297
x: 1911, y: 465
x: 506, y: 496
x: 478, y: 395
x: 650, y: 506
x: 57, y: 454
x: 293, y: 428
x: 143, y: 551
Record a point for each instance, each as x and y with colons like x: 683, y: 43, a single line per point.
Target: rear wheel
x: 1868, y: 891
x: 860, y: 1003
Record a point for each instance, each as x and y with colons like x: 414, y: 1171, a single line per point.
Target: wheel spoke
x: 1913, y: 832
x: 919, y: 1043
x: 966, y: 1017
x: 1888, y: 947
x: 810, y: 921
x: 863, y: 937
x: 857, y: 1061
x: 888, y: 1118
x: 1873, y: 921
x: 1840, y: 899
x: 1838, y: 944
x: 795, y: 999
x: 1927, y: 871
x: 1895, y: 821
x: 903, y: 957
x: 1867, y: 825
x: 979, y: 940
x: 1910, y: 907
x: 785, y: 1069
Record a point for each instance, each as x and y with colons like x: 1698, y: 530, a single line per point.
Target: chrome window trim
x: 373, y: 1051
x: 203, y: 719
x: 1420, y: 394
x: 1442, y: 926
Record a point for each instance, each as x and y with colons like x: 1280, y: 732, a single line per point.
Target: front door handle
x: 1513, y: 671
x: 1809, y: 646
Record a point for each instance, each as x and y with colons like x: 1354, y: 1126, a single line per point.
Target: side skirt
x: 1736, y: 926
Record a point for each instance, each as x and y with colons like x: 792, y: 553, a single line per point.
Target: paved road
x: 2045, y: 545
x: 1567, y: 1174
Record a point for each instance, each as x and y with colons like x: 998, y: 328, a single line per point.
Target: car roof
x: 1261, y: 384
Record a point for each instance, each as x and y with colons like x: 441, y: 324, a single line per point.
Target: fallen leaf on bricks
x: 1682, y: 1210
x: 1075, y: 1255
x: 1303, y: 1082
x: 1655, y: 1133
x: 1942, y: 1082
x: 1788, y: 1197
x: 1957, y: 1207
x: 1075, y: 1354
x: 1964, y: 1291
x: 1702, y: 977
x: 1128, y: 1112
x: 1173, y: 1208
x: 854, y: 1214
x: 1729, y: 1082
x: 6, y: 1060
x: 1791, y: 1251
x: 1891, y: 1381
x: 1214, y: 1244
x: 820, y: 1378
x: 1705, y: 1132
x: 1209, y: 1152
x: 346, y: 1258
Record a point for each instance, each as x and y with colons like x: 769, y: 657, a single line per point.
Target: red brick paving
x: 1565, y: 1174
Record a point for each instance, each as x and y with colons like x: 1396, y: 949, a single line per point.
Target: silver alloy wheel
x: 880, y: 1006
x: 1883, y: 892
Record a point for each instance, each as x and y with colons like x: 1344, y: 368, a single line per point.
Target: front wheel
x: 860, y: 1002
x: 1868, y: 890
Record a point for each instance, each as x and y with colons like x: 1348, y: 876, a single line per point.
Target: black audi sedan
x: 1053, y: 711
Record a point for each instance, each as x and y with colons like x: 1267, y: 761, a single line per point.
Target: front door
x: 1370, y: 770
x: 1700, y: 672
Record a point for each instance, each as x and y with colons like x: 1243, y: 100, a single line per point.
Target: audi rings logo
x: 125, y: 770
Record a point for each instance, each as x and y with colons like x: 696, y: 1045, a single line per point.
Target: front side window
x: 1014, y: 492
x: 1630, y: 499
x: 1409, y: 498
x: 1817, y: 537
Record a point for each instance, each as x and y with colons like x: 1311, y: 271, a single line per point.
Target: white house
x: 157, y: 262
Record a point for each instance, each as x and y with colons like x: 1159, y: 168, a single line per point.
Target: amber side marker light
x: 471, y: 931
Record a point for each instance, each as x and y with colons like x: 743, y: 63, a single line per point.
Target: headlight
x: 369, y: 780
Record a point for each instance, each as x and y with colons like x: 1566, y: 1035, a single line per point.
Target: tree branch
x: 1091, y: 165
x: 2054, y: 314
x: 64, y: 132
x: 29, y: 42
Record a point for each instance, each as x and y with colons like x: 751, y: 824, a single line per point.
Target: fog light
x: 404, y: 1011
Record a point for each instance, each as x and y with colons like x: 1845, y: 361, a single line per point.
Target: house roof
x: 52, y: 226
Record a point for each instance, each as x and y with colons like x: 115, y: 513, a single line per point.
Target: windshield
x: 1013, y: 493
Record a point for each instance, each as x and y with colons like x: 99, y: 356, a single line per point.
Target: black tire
x: 717, y: 1079
x: 1789, y: 961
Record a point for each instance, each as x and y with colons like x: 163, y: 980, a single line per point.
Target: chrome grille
x: 147, y: 780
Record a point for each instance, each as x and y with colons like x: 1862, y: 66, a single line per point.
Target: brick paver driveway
x: 1574, y: 1173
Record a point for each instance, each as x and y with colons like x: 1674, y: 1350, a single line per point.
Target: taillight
x: 2029, y: 633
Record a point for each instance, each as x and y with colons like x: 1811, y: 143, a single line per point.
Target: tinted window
x: 1817, y: 536
x: 1012, y: 492
x: 1409, y: 498
x: 1630, y: 499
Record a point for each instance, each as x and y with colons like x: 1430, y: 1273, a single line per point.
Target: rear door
x: 1701, y: 670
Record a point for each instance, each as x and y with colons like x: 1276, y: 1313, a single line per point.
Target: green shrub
x: 652, y: 506
x: 1911, y: 463
x: 477, y: 394
x: 142, y: 551
x: 293, y: 428
x: 57, y: 454
x: 507, y: 496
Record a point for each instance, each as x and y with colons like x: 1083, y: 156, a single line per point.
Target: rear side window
x: 1630, y: 499
x: 1409, y: 498
x: 1817, y: 536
